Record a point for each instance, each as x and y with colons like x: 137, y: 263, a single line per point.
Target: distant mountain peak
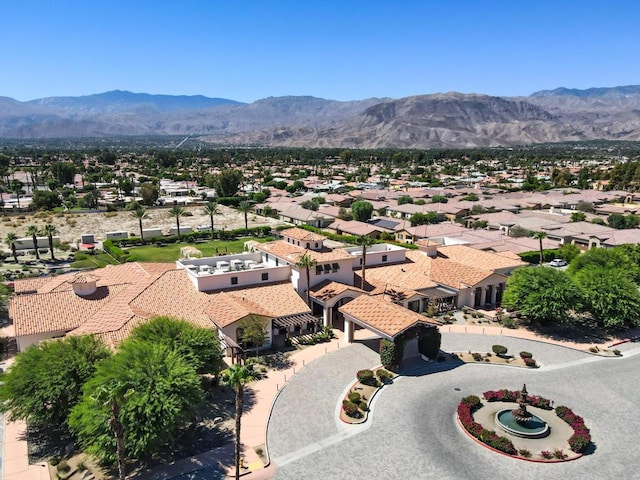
x: 612, y: 92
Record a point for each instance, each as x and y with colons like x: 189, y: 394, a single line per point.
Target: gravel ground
x: 71, y: 226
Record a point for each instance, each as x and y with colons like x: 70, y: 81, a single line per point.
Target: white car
x: 558, y: 262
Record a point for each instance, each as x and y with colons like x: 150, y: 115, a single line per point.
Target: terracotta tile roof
x: 456, y: 275
x: 478, y: 258
x: 292, y: 253
x: 382, y: 315
x: 327, y: 289
x: 411, y: 275
x: 55, y: 311
x: 302, y: 234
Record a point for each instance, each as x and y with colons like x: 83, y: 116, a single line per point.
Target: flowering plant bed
x: 355, y: 405
x: 470, y: 405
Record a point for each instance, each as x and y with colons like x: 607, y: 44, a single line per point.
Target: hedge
x: 192, y: 236
x: 116, y: 252
x: 534, y: 256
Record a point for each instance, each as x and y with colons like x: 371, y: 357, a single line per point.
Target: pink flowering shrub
x: 581, y: 438
x: 467, y: 406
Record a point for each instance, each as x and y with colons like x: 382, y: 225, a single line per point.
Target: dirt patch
x: 72, y: 225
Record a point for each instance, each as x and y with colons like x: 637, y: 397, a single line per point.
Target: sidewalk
x: 16, y: 457
x: 254, y: 422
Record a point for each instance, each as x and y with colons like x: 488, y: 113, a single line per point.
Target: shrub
x: 390, y: 354
x: 383, y: 375
x: 63, y: 466
x: 363, y: 406
x: 499, y: 350
x: 81, y: 466
x: 477, y: 357
x: 508, y: 322
x: 523, y: 452
x: 617, y: 352
x: 581, y: 437
x: 53, y: 461
x: 472, y: 400
x: 524, y: 355
x: 354, y: 397
x: 559, y: 454
x: 594, y: 350
x: 366, y: 377
x: 350, y: 409
x: 530, y: 362
x: 546, y: 454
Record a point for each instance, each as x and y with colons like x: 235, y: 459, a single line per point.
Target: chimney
x: 84, y: 284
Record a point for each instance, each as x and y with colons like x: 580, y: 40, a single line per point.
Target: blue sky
x: 342, y: 50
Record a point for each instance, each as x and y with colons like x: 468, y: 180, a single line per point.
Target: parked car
x: 558, y: 262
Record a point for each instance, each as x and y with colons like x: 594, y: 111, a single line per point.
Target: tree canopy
x: 45, y: 382
x: 226, y: 183
x: 542, y: 294
x: 200, y: 346
x: 361, y: 210
x: 150, y: 389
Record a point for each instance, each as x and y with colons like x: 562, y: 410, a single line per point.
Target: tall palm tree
x: 245, y: 207
x: 364, y: 241
x: 307, y: 263
x: 177, y: 212
x: 141, y: 214
x: 237, y: 376
x: 539, y: 236
x: 113, y: 396
x: 50, y: 230
x: 34, y: 232
x: 11, y: 241
x: 211, y: 209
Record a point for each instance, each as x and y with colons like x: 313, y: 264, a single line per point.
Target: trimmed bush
x: 465, y: 413
x: 581, y: 438
x: 523, y: 452
x: 499, y: 350
x: 354, y: 397
x: 524, y: 355
x: 477, y: 357
x: 351, y: 409
x: 512, y: 395
x: 390, y: 354
x: 63, y: 466
x: 366, y: 377
x: 530, y: 362
x: 383, y: 375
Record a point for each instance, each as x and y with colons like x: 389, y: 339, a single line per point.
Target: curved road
x: 412, y: 432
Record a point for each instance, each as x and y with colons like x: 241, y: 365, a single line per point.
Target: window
x: 327, y: 268
x: 234, y: 280
x: 335, y: 267
x: 265, y: 276
x: 318, y: 269
x: 414, y: 306
x: 308, y: 245
x: 384, y: 258
x: 316, y: 245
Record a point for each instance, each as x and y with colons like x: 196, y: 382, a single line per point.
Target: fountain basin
x: 534, y: 428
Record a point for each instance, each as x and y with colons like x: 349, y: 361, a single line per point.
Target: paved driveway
x: 413, y: 434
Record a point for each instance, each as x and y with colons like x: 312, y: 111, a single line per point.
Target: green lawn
x: 171, y: 252
x: 86, y: 260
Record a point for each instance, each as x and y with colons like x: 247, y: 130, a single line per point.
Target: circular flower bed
x: 578, y: 442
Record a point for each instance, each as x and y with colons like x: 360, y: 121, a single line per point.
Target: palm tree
x: 113, y: 396
x: 237, y: 376
x: 141, y: 214
x: 540, y: 236
x: 211, y: 209
x: 50, y: 231
x: 177, y: 212
x: 364, y: 241
x: 34, y: 232
x: 11, y: 241
x: 307, y: 263
x: 245, y: 207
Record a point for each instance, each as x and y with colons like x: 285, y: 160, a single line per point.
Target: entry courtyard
x: 412, y: 432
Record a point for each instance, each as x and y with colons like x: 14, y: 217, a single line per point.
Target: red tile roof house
x: 219, y: 292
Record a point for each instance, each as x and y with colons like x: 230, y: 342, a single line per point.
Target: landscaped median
x: 498, y: 357
x: 470, y: 410
x: 355, y: 406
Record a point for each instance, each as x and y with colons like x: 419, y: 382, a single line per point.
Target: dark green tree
x: 45, y: 381
x: 200, y: 346
x: 135, y: 402
x: 361, y: 210
x: 226, y: 183
x: 542, y: 294
x: 611, y: 297
x: 254, y: 331
x: 149, y: 193
x: 424, y: 218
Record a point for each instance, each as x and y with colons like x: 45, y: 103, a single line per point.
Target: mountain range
x: 424, y: 121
